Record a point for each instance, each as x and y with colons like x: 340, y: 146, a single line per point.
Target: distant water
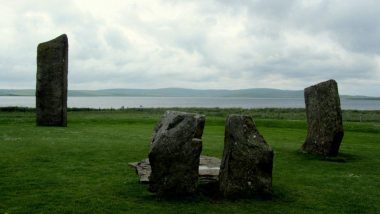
x: 167, y: 102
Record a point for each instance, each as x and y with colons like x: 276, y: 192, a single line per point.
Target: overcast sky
x: 201, y: 44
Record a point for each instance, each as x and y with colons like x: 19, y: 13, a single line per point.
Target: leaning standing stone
x: 324, y: 119
x: 51, y: 90
x: 174, y: 154
x: 247, y: 162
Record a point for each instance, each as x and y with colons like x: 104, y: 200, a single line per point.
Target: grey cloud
x: 353, y: 24
x: 204, y: 44
x: 116, y: 39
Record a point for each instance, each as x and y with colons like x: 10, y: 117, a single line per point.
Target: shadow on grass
x: 205, y: 194
x: 283, y: 194
x: 341, y: 158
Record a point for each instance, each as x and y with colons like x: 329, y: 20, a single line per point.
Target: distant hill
x: 179, y: 92
x: 16, y: 92
x: 168, y: 92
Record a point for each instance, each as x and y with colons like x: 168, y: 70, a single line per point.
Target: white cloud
x: 197, y: 44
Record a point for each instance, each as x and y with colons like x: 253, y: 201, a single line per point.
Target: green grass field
x: 84, y: 168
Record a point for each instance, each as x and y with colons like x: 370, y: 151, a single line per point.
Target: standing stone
x: 324, y: 119
x: 174, y: 154
x: 51, y: 90
x: 247, y: 162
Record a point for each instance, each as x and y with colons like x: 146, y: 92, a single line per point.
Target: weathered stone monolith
x: 174, y: 154
x: 51, y: 90
x: 324, y: 119
x: 246, y: 169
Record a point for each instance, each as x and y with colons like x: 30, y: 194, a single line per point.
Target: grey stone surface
x: 143, y: 170
x: 208, y: 170
x: 324, y: 119
x: 246, y: 169
x: 174, y: 154
x: 51, y: 88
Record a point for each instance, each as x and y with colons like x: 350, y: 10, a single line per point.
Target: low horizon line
x: 289, y: 90
x: 212, y: 89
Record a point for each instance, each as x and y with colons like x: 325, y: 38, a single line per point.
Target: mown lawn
x: 84, y: 168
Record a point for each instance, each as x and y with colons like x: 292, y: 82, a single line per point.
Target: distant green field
x: 84, y: 168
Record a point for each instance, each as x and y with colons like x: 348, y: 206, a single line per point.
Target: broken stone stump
x: 246, y: 169
x: 324, y: 119
x: 51, y: 90
x: 174, y: 154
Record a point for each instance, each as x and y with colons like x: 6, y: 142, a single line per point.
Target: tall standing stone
x: 51, y: 90
x: 174, y: 154
x: 324, y: 119
x: 247, y: 162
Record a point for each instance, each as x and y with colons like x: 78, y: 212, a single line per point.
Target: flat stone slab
x: 208, y: 169
x: 143, y: 169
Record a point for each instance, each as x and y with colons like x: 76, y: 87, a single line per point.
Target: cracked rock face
x: 174, y: 154
x: 247, y: 162
x: 51, y: 89
x: 324, y: 119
